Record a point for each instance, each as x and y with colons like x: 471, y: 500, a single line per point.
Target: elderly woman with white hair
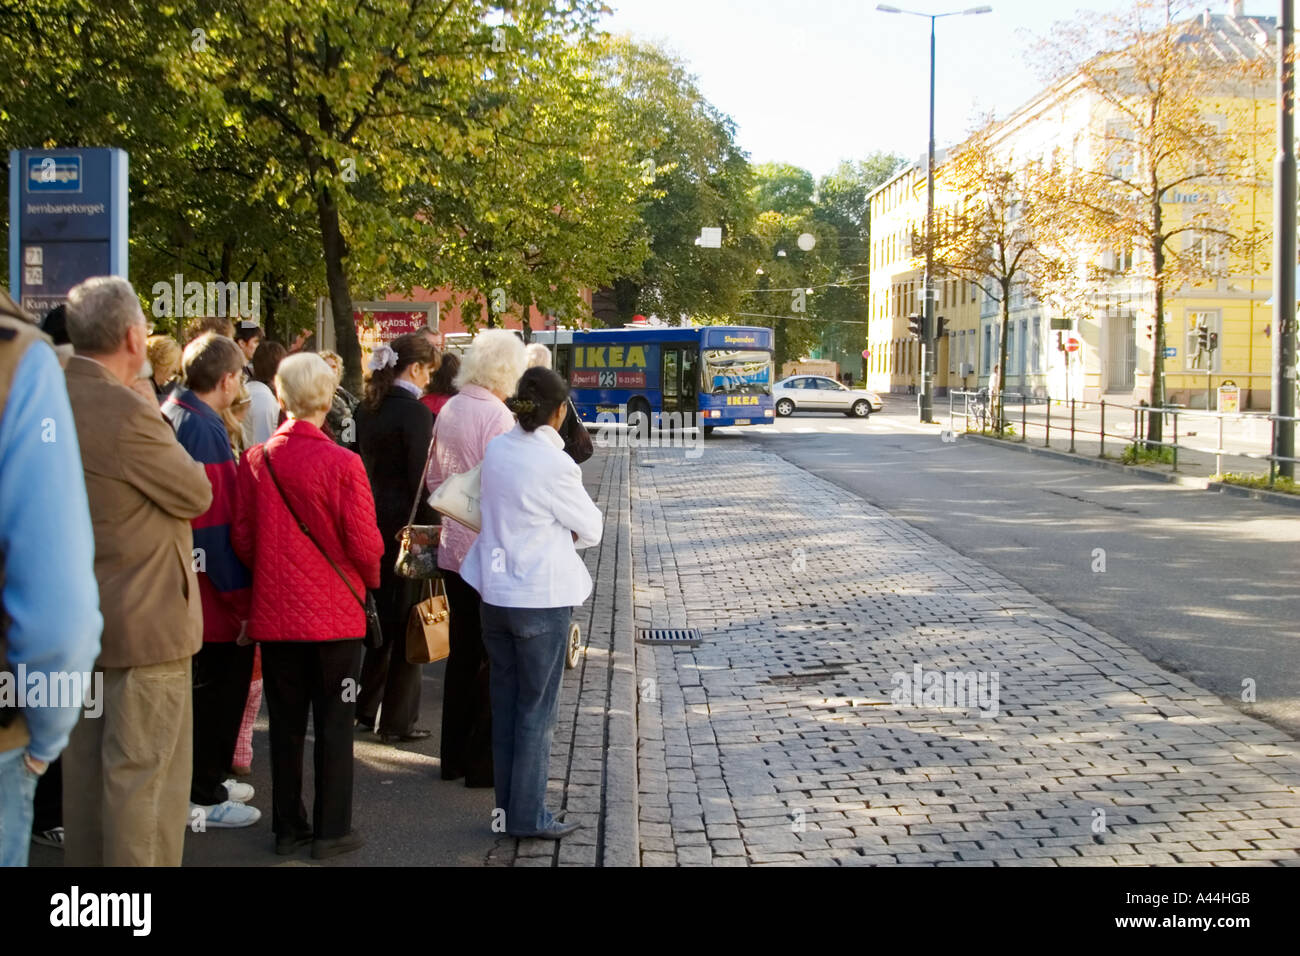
x: 305, y: 526
x: 471, y: 418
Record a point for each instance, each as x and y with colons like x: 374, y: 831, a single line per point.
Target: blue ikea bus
x: 696, y: 376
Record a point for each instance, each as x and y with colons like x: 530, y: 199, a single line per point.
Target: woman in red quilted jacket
x: 308, y: 620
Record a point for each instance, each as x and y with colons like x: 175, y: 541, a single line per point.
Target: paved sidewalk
x: 777, y: 741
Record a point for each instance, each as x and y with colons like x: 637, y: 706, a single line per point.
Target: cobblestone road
x: 777, y: 740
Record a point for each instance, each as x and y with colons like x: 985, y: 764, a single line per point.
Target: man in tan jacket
x: 127, y: 774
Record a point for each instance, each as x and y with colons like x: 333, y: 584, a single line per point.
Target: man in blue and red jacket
x: 212, y: 366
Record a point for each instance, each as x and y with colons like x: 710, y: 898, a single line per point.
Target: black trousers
x: 221, y: 676
x: 466, y: 703
x: 387, y: 678
x: 320, y: 675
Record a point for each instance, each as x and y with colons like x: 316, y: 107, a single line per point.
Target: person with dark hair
x: 249, y: 337
x: 55, y: 325
x: 393, y: 433
x: 264, y: 413
x: 441, y: 387
x: 523, y: 563
x: 223, y: 668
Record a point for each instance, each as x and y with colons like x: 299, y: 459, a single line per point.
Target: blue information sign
x: 1170, y: 351
x: 67, y: 221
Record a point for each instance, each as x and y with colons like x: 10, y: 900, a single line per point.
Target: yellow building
x: 1115, y: 321
x: 896, y: 292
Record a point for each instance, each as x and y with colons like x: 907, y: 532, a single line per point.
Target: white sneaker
x: 225, y: 816
x: 238, y: 792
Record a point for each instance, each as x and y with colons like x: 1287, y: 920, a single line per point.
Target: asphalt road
x: 1203, y: 584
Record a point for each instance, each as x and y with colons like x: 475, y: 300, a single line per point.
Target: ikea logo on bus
x: 609, y: 356
x: 742, y: 399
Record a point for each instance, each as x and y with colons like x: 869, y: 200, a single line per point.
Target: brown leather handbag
x: 428, y: 631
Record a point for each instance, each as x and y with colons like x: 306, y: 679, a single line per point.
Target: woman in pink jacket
x: 470, y: 419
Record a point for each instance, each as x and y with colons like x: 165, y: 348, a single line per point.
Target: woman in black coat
x: 394, y: 431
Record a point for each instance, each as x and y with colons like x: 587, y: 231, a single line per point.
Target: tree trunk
x: 336, y: 280
x: 1002, y: 356
x: 1156, y: 388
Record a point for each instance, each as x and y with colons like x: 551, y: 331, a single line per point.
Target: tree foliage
x: 1169, y: 153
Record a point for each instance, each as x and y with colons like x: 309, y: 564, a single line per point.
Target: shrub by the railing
x: 1285, y: 485
x: 1139, y: 454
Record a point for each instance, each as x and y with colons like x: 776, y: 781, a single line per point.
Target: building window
x: 1196, y: 359
x: 988, y: 349
x: 1036, y: 344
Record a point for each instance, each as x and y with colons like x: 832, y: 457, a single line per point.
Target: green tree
x: 345, y: 107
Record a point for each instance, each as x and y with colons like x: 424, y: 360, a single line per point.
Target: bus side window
x: 563, y: 361
x: 690, y: 371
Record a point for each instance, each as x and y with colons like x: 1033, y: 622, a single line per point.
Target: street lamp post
x: 926, y: 399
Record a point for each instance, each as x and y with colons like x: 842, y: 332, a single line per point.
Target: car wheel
x: 861, y: 408
x: 785, y: 408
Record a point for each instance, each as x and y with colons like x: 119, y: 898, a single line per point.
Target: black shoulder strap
x: 266, y: 457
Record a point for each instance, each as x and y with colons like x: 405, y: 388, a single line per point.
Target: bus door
x: 679, y: 371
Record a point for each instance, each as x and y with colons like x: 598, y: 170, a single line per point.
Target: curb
x: 622, y: 844
x: 1200, y: 484
x: 1259, y: 494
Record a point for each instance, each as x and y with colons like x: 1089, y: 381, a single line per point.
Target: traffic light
x: 1214, y: 341
x: 939, y: 327
x: 1202, y: 338
x: 914, y: 325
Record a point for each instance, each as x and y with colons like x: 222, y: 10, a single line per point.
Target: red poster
x: 375, y: 328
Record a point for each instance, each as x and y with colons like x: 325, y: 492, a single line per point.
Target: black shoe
x: 410, y: 735
x: 451, y: 773
x: 286, y: 845
x: 336, y: 846
x: 367, y: 725
x: 557, y: 832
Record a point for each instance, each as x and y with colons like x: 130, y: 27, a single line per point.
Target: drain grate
x: 675, y: 636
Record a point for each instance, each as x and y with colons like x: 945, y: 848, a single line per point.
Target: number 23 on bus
x: 588, y: 361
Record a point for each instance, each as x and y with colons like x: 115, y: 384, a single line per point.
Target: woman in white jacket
x: 535, y: 513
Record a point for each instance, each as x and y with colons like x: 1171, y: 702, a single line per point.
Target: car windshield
x: 740, y: 372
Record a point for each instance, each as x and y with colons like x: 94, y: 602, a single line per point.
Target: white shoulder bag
x: 458, y: 495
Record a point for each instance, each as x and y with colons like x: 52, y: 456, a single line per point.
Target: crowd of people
x: 203, y: 525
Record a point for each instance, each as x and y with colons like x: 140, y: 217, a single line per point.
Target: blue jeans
x: 17, y: 789
x: 525, y: 648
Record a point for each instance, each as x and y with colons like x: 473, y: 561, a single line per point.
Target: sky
x: 812, y: 82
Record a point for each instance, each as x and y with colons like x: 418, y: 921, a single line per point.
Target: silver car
x: 817, y: 393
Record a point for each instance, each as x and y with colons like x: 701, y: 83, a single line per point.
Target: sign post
x: 67, y: 221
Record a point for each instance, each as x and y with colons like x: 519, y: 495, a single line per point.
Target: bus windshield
x: 740, y: 372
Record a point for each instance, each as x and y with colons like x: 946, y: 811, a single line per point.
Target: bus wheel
x: 638, y: 411
x: 708, y: 430
x: 785, y: 408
